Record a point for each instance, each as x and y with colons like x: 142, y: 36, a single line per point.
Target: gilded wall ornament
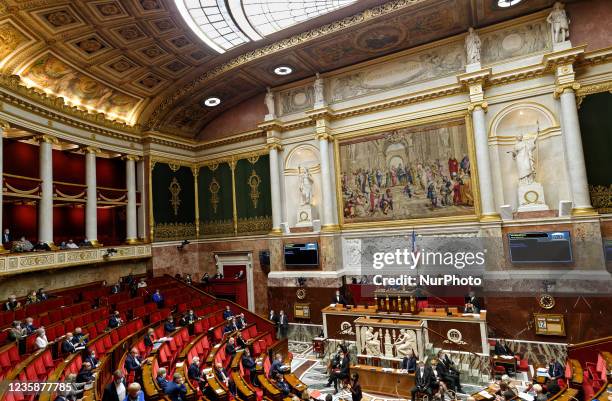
x: 214, y: 188
x: 175, y: 189
x: 254, y: 182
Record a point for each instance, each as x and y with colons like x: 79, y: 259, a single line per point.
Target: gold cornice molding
x: 171, y: 162
x: 560, y: 89
x: 130, y: 157
x: 474, y: 77
x: 585, y: 90
x: 92, y: 149
x: 13, y: 84
x: 4, y: 125
x: 562, y: 57
x: 48, y: 139
x: 296, y: 40
x: 600, y: 56
x: 245, y: 136
x: 271, y: 125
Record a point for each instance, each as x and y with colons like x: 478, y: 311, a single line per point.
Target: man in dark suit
x: 169, y: 326
x: 28, y: 325
x: 555, y: 369
x: 225, y: 378
x: 78, y: 338
x: 230, y: 347
x: 161, y: 378
x: 472, y: 305
x: 501, y: 348
x: 67, y: 346
x: 116, y: 390
x: 450, y: 375
x: 422, y: 381
x: 338, y: 298
x: 115, y: 320
x: 409, y: 363
x: 176, y: 389
x: 91, y: 358
x: 240, y: 341
x: 85, y: 374
x: 133, y: 363
x: 7, y: 238
x: 277, y: 366
x: 240, y: 322
x: 115, y: 288
x: 341, y: 371
x: 193, y: 371
x: 249, y: 364
x: 227, y: 313
x: 282, y: 385
x: 283, y: 324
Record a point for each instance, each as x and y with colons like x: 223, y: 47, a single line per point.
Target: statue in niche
x: 524, y: 154
x: 472, y: 46
x: 305, y: 185
x: 269, y: 101
x: 404, y: 343
x: 372, y: 343
x: 559, y: 23
x: 319, y: 98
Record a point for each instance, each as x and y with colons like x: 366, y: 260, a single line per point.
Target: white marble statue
x: 404, y: 344
x: 472, y: 46
x: 269, y: 101
x: 372, y: 343
x: 305, y: 186
x: 319, y: 98
x: 524, y: 154
x: 559, y: 23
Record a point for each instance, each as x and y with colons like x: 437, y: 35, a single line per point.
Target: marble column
x: 481, y: 142
x: 327, y: 191
x: 274, y: 149
x: 45, y: 205
x: 574, y: 153
x: 130, y: 181
x: 91, y: 207
x: 3, y: 126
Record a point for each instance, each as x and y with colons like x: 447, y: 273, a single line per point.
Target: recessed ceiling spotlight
x: 507, y: 3
x: 212, y: 101
x: 283, y: 70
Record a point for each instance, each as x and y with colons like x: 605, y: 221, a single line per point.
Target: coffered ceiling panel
x: 114, y: 56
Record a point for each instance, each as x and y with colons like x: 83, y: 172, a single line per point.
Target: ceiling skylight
x: 225, y: 24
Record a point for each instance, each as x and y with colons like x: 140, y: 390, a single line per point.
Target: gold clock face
x: 300, y: 293
x: 547, y: 301
x: 531, y: 196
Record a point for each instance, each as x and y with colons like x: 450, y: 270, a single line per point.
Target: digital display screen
x: 540, y: 247
x: 302, y: 254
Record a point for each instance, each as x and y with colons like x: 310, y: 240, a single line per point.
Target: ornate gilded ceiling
x: 137, y: 62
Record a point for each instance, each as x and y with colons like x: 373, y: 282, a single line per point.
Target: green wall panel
x: 253, y: 198
x: 215, y: 198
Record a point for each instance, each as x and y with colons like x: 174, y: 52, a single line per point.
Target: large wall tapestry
x: 173, y: 191
x: 63, y: 80
x: 215, y: 197
x: 253, y: 198
x: 409, y: 173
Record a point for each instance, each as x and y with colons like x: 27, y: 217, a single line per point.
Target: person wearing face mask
x: 91, y: 358
x: 12, y: 303
x: 115, y: 391
x: 422, y: 381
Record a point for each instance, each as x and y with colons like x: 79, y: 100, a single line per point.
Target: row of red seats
x: 37, y: 369
x: 167, y: 353
x: 9, y: 357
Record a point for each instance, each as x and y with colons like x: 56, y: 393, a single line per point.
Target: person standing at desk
x: 283, y: 324
x: 555, y: 369
x: 409, y: 363
x: 422, y: 381
x: 338, y: 299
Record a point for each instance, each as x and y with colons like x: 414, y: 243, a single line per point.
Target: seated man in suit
x: 85, y: 374
x: 133, y: 363
x: 277, y: 366
x: 169, y: 326
x: 472, y: 305
x: 240, y: 341
x: 501, y: 348
x: 555, y: 369
x: 409, y: 363
x: 338, y: 299
x: 423, y: 381
x: 230, y: 347
x: 161, y: 378
x: 240, y: 322
x: 225, y: 378
x: 341, y: 370
x: 249, y: 364
x: 176, y: 389
x: 194, y: 373
x: 439, y: 387
x: 91, y: 358
x: 28, y: 325
x: 282, y: 385
x: 115, y: 320
x: 12, y: 303
x: 450, y: 375
x: 229, y: 327
x: 116, y: 390
x: 67, y: 346
x: 78, y: 338
x: 7, y: 238
x: 227, y: 313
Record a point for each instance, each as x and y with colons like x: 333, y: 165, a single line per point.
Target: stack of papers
x: 485, y: 394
